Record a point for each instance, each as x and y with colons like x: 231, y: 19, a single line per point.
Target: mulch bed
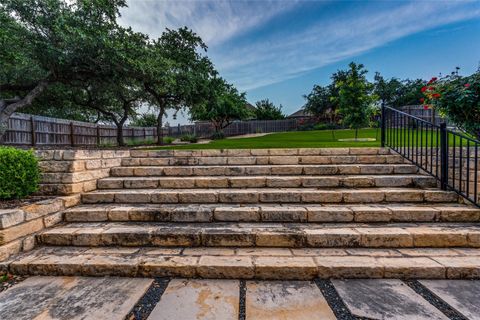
x: 15, y: 203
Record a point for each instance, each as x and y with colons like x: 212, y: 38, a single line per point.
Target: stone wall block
x: 42, y: 208
x: 11, y: 217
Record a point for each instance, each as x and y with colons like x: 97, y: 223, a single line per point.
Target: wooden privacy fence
x: 424, y: 114
x: 28, y: 130
x: 31, y: 130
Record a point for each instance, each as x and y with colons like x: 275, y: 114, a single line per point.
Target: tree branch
x: 25, y: 101
x: 17, y: 87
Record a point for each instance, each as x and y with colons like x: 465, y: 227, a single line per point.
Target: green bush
x: 19, y: 173
x: 189, y: 137
x: 326, y: 126
x: 218, y: 135
x: 168, y: 140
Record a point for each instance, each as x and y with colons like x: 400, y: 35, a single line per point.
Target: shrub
x: 134, y: 143
x: 19, y: 173
x: 306, y: 127
x: 218, y: 135
x: 168, y: 140
x: 189, y: 137
x: 458, y: 98
x: 326, y: 126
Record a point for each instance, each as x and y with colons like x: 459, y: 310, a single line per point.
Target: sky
x: 279, y: 49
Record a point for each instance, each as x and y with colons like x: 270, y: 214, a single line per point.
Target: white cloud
x: 283, y: 53
x: 214, y: 20
x: 288, y: 55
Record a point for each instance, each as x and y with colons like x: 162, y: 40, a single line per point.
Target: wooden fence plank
x: 32, y: 130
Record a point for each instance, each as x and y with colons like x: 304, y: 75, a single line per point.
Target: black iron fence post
x: 443, y: 156
x: 383, y: 126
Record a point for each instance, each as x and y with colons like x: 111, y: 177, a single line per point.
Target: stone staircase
x: 266, y: 214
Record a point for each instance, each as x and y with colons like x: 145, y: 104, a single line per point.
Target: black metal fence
x: 450, y: 156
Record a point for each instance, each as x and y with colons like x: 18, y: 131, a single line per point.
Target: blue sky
x: 278, y: 49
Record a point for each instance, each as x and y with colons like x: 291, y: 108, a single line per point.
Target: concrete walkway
x: 114, y: 298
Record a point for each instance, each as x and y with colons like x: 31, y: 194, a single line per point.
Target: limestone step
x: 269, y: 195
x: 241, y: 170
x: 394, y: 212
x: 260, y: 152
x: 249, y: 263
x: 263, y: 160
x: 359, y: 181
x: 292, y: 235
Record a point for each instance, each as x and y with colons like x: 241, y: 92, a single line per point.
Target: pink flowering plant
x: 458, y: 98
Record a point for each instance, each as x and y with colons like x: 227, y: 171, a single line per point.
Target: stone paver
x: 385, y: 299
x: 286, y: 300
x: 199, y: 300
x: 72, y: 298
x: 463, y: 295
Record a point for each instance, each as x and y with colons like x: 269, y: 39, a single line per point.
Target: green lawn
x: 320, y: 139
x: 295, y: 139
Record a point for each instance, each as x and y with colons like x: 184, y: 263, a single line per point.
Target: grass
x: 323, y: 139
x: 295, y: 139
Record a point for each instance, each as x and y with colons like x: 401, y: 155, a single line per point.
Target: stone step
x: 260, y: 152
x: 269, y: 195
x: 249, y: 263
x: 249, y: 170
x: 292, y: 235
x: 263, y: 160
x: 394, y: 212
x: 360, y: 181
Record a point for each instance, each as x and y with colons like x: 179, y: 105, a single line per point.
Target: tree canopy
x: 320, y: 102
x: 75, y: 55
x: 222, y: 105
x: 174, y: 73
x: 354, y: 97
x: 47, y: 42
x: 266, y: 110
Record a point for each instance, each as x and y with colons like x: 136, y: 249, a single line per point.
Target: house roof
x: 300, y: 114
x: 250, y: 106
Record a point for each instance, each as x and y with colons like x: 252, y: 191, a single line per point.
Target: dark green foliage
x: 175, y: 72
x: 189, y: 138
x: 168, y: 140
x: 320, y: 101
x: 145, y: 120
x: 354, y: 97
x: 56, y: 102
x: 266, y: 110
x: 327, y: 126
x: 218, y: 135
x: 460, y: 101
x: 77, y: 55
x: 409, y: 93
x: 45, y: 42
x: 223, y: 104
x: 19, y: 173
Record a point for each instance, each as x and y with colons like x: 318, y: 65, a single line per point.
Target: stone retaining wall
x: 19, y: 226
x: 67, y: 172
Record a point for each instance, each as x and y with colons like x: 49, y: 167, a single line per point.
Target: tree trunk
x: 7, y: 109
x: 120, y: 138
x: 160, y: 126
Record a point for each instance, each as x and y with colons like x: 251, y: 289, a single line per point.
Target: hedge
x: 19, y: 173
